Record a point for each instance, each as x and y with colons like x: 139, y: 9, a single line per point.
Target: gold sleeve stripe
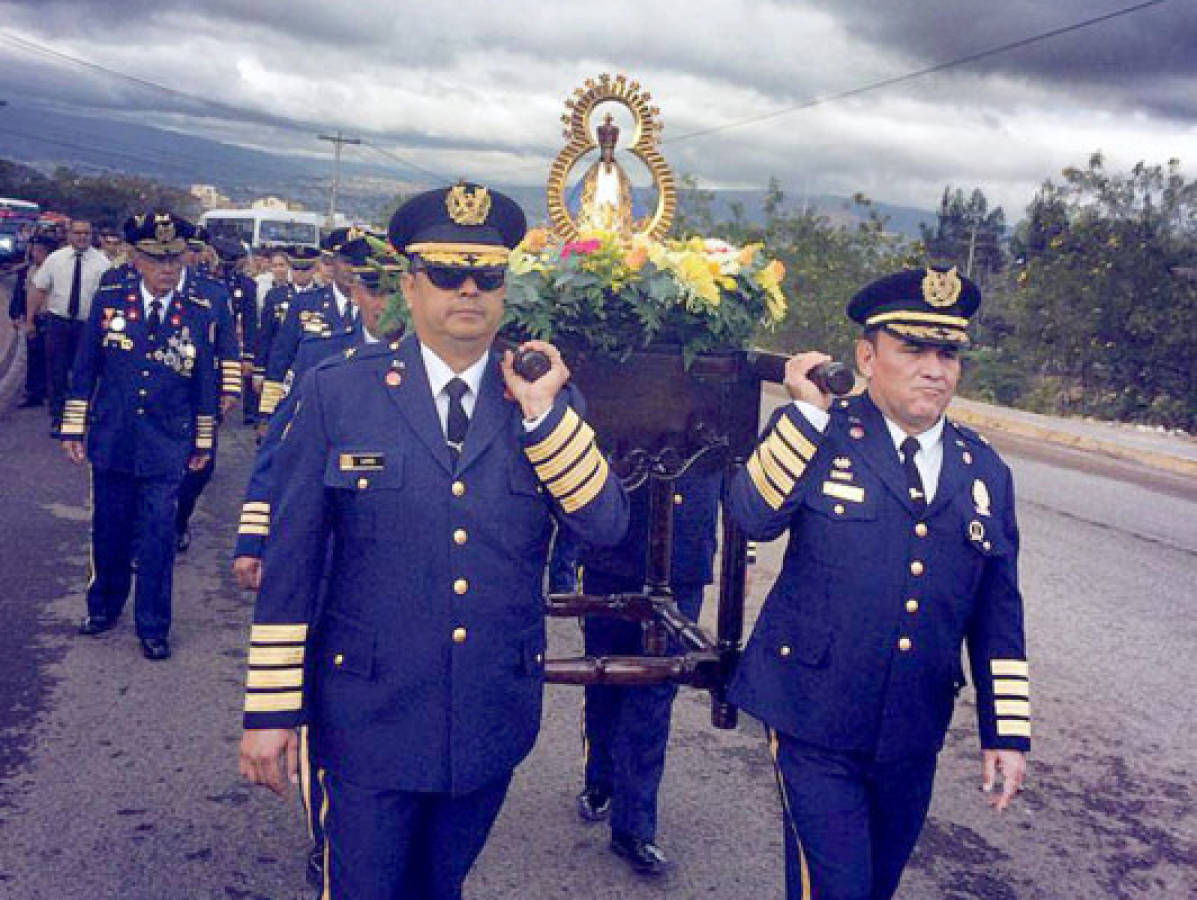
x: 272, y: 392
x: 792, y: 436
x: 1013, y: 728
x: 569, y: 454
x: 1008, y: 687
x: 279, y: 634
x: 286, y: 701
x: 71, y: 428
x: 578, y: 475
x: 777, y: 473
x: 276, y: 656
x: 275, y: 678
x: 785, y: 455
x: 255, y: 506
x: 591, y: 489
x: 1012, y: 668
x: 254, y: 518
x: 257, y: 530
x: 768, y: 492
x: 557, y: 438
x: 1020, y: 708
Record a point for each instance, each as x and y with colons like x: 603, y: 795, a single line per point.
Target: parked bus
x: 18, y: 220
x: 265, y: 227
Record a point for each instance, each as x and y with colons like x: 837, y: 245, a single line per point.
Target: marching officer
x: 626, y: 728
x: 278, y: 300
x: 318, y: 314
x: 144, y: 396
x: 426, y: 666
x: 243, y: 298
x: 370, y: 297
x: 903, y: 546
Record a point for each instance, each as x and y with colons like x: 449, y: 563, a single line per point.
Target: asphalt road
x: 118, y: 776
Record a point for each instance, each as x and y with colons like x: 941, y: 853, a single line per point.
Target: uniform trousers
x: 133, y: 517
x: 193, y: 484
x: 402, y: 845
x: 35, y: 361
x: 627, y: 727
x: 851, y: 821
x: 62, y: 342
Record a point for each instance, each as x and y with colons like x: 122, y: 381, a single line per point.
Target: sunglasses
x: 450, y: 279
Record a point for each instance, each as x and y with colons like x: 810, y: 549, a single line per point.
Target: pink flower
x: 580, y: 248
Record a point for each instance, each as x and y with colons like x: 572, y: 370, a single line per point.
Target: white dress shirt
x: 439, y: 375
x: 343, y: 302
x: 147, y: 298
x: 58, y: 271
x: 928, y: 460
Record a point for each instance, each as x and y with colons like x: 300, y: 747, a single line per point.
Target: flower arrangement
x: 614, y: 295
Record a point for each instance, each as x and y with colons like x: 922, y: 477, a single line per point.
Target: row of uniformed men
x: 399, y: 621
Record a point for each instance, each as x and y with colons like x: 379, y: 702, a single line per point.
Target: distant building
x: 209, y: 196
x: 278, y: 203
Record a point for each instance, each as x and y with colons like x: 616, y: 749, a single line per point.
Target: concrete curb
x: 985, y: 421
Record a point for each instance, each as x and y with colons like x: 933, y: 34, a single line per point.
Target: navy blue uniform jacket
x: 426, y: 665
x: 858, y: 645
x: 144, y: 404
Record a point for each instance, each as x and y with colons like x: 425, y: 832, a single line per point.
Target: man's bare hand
x: 248, y: 572
x: 247, y: 368
x: 75, y: 451
x: 270, y: 756
x: 1012, y: 764
x: 227, y: 402
x: 198, y: 460
x: 799, y: 386
x: 536, y: 397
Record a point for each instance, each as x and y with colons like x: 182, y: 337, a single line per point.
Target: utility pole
x: 338, y: 141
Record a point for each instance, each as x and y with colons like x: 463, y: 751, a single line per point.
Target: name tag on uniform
x: 361, y: 462
x: 313, y: 326
x: 849, y: 492
x: 118, y: 341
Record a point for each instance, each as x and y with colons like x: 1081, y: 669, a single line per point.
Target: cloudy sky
x: 475, y: 88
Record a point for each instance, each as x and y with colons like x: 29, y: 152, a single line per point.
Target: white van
x: 265, y: 227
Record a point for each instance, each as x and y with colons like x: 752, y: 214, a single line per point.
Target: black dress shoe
x: 593, y: 804
x: 94, y: 625
x: 155, y: 648
x: 315, y: 867
x: 183, y: 540
x: 643, y: 856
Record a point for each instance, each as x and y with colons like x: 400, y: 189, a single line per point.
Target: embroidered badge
x: 467, y: 207
x: 848, y: 492
x: 394, y: 379
x: 361, y: 462
x: 981, y: 497
x: 941, y: 288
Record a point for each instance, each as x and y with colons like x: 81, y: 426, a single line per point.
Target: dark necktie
x: 76, y: 287
x: 914, y: 481
x: 155, y: 317
x: 458, y: 421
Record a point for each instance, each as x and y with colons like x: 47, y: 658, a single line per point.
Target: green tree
x: 967, y: 234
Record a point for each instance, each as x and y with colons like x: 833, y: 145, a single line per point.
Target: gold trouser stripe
x: 326, y: 894
x: 1014, y: 668
x: 770, y: 494
x: 1011, y: 687
x: 557, y: 437
x: 785, y: 805
x: 305, y: 781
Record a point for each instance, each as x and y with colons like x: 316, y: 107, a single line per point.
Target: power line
x: 395, y: 157
x: 919, y: 73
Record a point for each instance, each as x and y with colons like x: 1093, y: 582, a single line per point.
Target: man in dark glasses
x: 437, y: 472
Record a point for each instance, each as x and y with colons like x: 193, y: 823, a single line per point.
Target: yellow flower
x: 535, y: 240
x: 635, y: 258
x: 695, y: 274
x: 748, y: 254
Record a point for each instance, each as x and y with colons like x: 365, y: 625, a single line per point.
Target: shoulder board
x: 968, y: 434
x: 845, y: 405
x: 355, y: 354
x: 200, y: 301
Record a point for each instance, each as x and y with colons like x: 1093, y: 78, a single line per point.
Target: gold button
x: 986, y: 545
x: 539, y: 658
x: 904, y: 644
x: 677, y: 499
x: 363, y: 483
x: 459, y: 635
x: 912, y: 605
x: 460, y: 536
x: 338, y: 660
x: 458, y: 488
x: 916, y: 568
x: 785, y: 650
x: 460, y: 586
x: 838, y: 509
x: 921, y: 529
x: 141, y: 392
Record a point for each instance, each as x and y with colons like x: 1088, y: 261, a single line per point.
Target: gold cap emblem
x: 164, y: 229
x: 941, y: 288
x: 468, y: 207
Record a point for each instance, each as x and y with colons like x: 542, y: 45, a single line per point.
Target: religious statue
x: 606, y: 189
x: 604, y: 195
